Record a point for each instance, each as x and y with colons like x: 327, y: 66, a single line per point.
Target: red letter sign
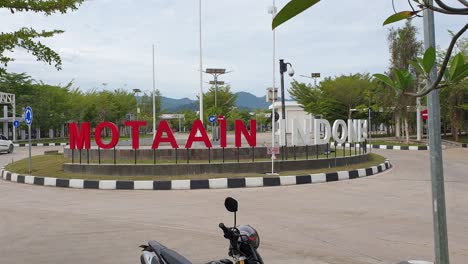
x: 251, y: 139
x: 198, y: 126
x: 135, y: 135
x: 80, y: 137
x: 164, y: 127
x: 223, y: 129
x: 114, y: 135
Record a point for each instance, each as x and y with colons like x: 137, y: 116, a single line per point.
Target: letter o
x: 344, y: 131
x: 114, y: 135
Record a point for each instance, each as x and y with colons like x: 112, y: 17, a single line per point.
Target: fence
x: 212, y: 155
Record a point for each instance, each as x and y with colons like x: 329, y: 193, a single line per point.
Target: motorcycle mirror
x: 231, y: 204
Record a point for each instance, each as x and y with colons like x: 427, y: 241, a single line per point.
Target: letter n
x: 251, y: 138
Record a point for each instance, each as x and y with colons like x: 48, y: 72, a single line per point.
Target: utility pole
x: 154, y: 99
x: 273, y: 12
x: 283, y: 67
x: 201, y: 60
x: 435, y: 148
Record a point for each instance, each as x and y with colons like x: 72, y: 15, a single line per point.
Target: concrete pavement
x: 380, y: 219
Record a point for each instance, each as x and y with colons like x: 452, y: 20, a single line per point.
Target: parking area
x: 380, y: 219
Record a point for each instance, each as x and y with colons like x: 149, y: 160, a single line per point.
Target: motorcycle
x: 243, y: 244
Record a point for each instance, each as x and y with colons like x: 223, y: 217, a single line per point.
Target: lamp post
x: 215, y: 72
x: 272, y: 10
x: 283, y: 68
x: 314, y: 76
x: 154, y: 99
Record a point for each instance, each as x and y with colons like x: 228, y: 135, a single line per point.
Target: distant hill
x: 249, y: 101
x: 172, y: 104
x: 244, y: 101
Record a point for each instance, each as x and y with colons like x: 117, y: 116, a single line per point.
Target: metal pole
x: 418, y: 119
x: 154, y: 99
x: 14, y: 118
x: 201, y: 61
x: 435, y: 150
x: 283, y: 109
x: 30, y: 163
x: 214, y: 125
x: 273, y: 99
x: 216, y: 91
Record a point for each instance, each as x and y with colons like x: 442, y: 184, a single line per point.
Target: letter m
x: 79, y: 137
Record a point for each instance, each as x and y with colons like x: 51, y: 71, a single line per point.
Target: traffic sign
x: 221, y: 118
x: 212, y: 118
x: 424, y: 114
x: 273, y: 150
x: 28, y: 115
x: 16, y: 123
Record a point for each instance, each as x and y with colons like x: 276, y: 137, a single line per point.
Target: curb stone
x: 40, y: 144
x: 394, y: 147
x: 218, y: 183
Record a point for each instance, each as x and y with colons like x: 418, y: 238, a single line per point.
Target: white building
x: 294, y: 113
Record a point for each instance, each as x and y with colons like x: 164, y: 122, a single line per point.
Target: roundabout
x: 379, y: 219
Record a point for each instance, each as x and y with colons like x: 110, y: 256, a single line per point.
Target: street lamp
x: 215, y: 72
x: 283, y: 68
x: 314, y: 76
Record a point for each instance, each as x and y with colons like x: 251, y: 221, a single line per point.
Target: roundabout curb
x: 40, y: 144
x: 221, y: 183
x: 393, y: 147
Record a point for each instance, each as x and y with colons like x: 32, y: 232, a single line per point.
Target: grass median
x: 52, y: 166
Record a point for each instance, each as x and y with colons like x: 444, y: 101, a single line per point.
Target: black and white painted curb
x: 40, y: 144
x: 387, y: 147
x: 400, y: 147
x: 222, y: 183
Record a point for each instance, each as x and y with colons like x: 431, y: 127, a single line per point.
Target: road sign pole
x: 30, y: 163
x: 28, y: 118
x: 435, y: 149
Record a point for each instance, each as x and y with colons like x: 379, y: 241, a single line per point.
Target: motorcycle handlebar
x: 223, y: 227
x: 232, y: 235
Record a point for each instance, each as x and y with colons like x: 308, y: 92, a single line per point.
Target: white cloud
x: 109, y: 41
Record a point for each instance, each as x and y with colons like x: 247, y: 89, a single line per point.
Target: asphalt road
x: 379, y: 219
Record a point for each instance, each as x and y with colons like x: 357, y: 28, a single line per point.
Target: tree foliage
x: 54, y: 105
x: 225, y: 100
x: 334, y: 98
x: 27, y: 38
x: 458, y: 71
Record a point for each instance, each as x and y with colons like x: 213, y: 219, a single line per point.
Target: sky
x: 107, y: 44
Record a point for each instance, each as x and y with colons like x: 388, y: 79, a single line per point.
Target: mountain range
x: 244, y: 100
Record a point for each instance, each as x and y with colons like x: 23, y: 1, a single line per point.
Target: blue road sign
x: 16, y: 123
x: 212, y: 118
x: 28, y: 115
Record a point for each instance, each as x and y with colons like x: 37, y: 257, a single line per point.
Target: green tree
x: 454, y: 101
x: 334, y: 98
x: 26, y: 38
x: 458, y: 70
x: 404, y: 48
x: 225, y: 100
